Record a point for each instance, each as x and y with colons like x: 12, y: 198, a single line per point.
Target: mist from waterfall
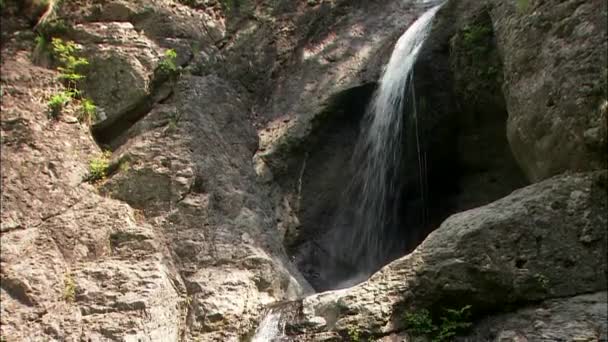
x: 364, y: 242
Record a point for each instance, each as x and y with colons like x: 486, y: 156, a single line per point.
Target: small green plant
x: 542, y: 280
x: 69, y: 289
x: 88, y: 112
x: 168, y: 64
x: 41, y: 43
x: 59, y: 101
x: 452, y: 323
x: 420, y: 323
x: 353, y: 334
x: 99, y: 166
x: 65, y: 53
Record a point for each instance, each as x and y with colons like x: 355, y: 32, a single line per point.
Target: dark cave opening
x: 461, y: 159
x: 468, y: 164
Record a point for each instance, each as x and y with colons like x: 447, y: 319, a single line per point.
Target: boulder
x: 555, y: 83
x: 578, y: 318
x: 544, y: 241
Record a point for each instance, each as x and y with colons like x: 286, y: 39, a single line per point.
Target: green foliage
x: 452, y: 323
x: 69, y: 289
x: 41, y: 43
x: 353, y: 334
x: 88, y: 112
x: 65, y: 53
x: 52, y: 27
x: 167, y: 64
x: 70, y: 64
x: 542, y: 280
x: 99, y: 166
x: 59, y: 101
x: 420, y: 323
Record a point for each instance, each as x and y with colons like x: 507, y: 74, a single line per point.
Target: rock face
x: 203, y: 195
x: 554, y: 56
x: 579, y: 318
x: 522, y: 248
x: 179, y: 242
x: 242, y: 152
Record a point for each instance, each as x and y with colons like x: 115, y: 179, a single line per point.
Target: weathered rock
x: 327, y: 49
x: 525, y: 247
x: 190, y: 169
x: 554, y: 56
x: 579, y: 318
x: 64, y: 272
x: 121, y: 67
x: 188, y: 247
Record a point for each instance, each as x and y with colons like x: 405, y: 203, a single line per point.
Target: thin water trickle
x: 270, y: 328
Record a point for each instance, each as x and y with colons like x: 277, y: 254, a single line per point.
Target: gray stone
x: 523, y: 248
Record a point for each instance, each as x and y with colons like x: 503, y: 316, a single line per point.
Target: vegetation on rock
x: 168, y: 64
x: 453, y: 322
x: 69, y: 290
x: 99, y: 166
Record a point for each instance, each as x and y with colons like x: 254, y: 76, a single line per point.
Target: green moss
x: 475, y: 39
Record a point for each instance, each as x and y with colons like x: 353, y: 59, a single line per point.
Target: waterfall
x: 371, y: 193
x: 363, y: 242
x: 270, y: 328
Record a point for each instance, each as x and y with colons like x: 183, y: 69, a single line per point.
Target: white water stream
x: 377, y: 157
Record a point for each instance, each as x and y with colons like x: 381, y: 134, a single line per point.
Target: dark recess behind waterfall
x: 465, y: 156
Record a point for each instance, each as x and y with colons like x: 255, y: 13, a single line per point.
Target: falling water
x: 373, y: 193
x: 270, y: 328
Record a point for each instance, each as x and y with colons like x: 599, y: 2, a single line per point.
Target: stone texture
x: 121, y: 67
x: 524, y: 247
x: 190, y: 170
x: 579, y: 318
x: 554, y: 56
x: 184, y: 239
x: 178, y: 243
x: 302, y: 61
x: 64, y: 275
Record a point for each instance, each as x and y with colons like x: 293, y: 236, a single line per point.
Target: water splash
x: 374, y: 192
x: 271, y: 328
